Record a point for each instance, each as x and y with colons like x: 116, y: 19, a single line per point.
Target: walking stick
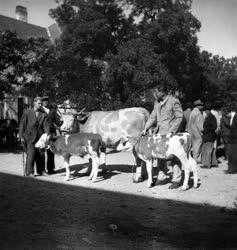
x: 23, y: 158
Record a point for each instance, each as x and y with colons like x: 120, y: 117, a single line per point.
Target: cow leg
x: 95, y: 166
x: 92, y: 169
x: 194, y: 168
x: 139, y: 163
x: 185, y: 162
x: 149, y: 172
x: 66, y: 164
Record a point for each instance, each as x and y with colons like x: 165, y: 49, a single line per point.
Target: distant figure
x: 225, y: 130
x: 195, y: 128
x: 209, y: 137
x: 168, y: 114
x: 232, y: 166
x: 33, y: 124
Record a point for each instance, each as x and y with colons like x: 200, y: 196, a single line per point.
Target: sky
x: 218, y: 33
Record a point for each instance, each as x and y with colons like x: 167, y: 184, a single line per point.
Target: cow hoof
x: 150, y: 185
x: 90, y: 178
x: 137, y: 180
x: 68, y: 179
x: 195, y: 186
x: 93, y: 179
x: 184, y: 188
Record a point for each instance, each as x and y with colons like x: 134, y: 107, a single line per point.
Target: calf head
x: 69, y: 122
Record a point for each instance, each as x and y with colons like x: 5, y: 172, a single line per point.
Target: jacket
x: 168, y: 115
x: 195, y: 123
x: 32, y: 127
x: 209, y: 128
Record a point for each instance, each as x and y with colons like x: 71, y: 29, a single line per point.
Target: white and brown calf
x: 165, y: 147
x: 79, y: 144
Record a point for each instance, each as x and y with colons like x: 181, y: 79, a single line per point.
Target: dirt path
x: 113, y: 213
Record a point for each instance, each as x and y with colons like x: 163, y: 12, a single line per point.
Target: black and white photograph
x: 118, y: 124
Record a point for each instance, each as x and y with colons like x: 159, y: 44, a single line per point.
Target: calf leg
x: 149, y: 172
x: 194, y: 168
x: 95, y: 167
x: 185, y: 162
x: 139, y: 163
x: 66, y: 164
x: 92, y: 169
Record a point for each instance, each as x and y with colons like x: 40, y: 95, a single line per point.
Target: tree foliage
x: 23, y: 65
x: 159, y: 49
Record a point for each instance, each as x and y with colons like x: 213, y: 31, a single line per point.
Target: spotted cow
x: 165, y: 147
x: 112, y: 126
x: 75, y: 144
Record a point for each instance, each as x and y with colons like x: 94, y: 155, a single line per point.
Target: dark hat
x: 198, y: 103
x: 45, y: 98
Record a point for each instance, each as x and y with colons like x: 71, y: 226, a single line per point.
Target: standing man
x: 209, y: 136
x: 168, y: 115
x: 53, y: 119
x: 225, y: 130
x: 195, y: 128
x: 32, y: 125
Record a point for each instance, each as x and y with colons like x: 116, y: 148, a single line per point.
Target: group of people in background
x: 42, y: 118
x: 204, y: 124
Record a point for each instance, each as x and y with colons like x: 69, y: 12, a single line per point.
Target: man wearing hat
x: 53, y: 119
x: 32, y: 125
x: 195, y: 128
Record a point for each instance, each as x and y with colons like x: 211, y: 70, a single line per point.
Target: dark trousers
x: 232, y: 166
x: 208, y: 154
x: 50, y: 161
x: 34, y: 155
x: 226, y: 142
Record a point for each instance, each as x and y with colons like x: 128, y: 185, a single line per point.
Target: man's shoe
x: 175, y: 185
x: 42, y: 174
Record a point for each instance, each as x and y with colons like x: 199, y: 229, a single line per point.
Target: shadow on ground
x: 36, y: 214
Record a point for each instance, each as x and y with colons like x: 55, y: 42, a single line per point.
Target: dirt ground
x: 113, y: 213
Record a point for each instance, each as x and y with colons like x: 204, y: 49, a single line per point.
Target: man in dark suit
x: 33, y: 124
x: 54, y: 120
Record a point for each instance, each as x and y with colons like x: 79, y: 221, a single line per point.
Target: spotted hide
x: 112, y: 126
x: 165, y: 147
x: 79, y: 144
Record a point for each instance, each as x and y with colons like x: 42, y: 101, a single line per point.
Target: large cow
x: 166, y: 147
x: 75, y: 144
x: 110, y: 125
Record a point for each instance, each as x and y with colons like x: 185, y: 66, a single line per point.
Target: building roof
x: 24, y: 30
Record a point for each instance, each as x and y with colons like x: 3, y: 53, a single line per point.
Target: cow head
x: 127, y: 143
x: 72, y: 121
x: 43, y: 141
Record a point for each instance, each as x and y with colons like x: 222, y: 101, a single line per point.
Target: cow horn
x: 80, y: 112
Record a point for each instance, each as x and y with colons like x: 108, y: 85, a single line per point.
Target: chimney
x: 21, y: 13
